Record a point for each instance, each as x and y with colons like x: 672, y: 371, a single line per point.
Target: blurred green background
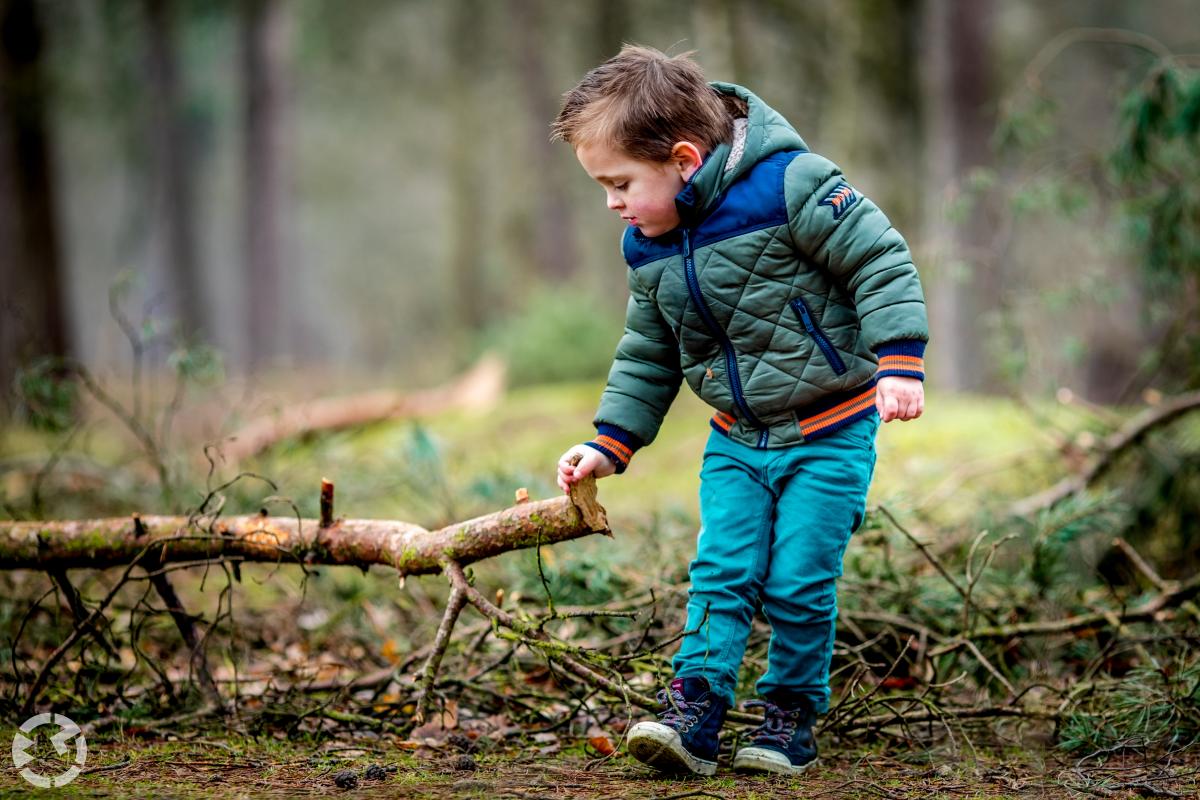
x: 365, y: 191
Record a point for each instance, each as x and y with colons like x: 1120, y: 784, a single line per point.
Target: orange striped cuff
x: 905, y: 358
x: 616, y: 443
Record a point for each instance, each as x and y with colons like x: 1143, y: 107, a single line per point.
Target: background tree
x: 32, y: 315
x: 466, y: 166
x: 964, y: 279
x: 551, y: 228
x: 265, y: 35
x: 175, y: 161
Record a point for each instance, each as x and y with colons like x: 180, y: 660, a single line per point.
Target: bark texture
x: 408, y: 548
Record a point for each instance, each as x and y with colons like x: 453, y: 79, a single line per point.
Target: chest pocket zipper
x: 814, y: 330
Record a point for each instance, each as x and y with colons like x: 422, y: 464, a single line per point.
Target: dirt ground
x: 232, y: 769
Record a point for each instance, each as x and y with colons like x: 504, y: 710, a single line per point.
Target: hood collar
x: 762, y: 132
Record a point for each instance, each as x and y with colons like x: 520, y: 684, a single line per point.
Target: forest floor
x: 231, y: 769
x: 949, y: 476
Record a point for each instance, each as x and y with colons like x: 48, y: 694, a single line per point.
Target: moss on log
x: 408, y: 548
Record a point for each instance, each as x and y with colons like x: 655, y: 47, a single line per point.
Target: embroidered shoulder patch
x: 840, y: 199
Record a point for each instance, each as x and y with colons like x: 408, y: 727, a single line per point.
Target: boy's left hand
x: 900, y: 398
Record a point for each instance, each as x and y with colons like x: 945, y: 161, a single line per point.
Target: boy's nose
x: 613, y: 202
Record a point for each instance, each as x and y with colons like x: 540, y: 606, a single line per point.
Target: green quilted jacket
x: 781, y: 298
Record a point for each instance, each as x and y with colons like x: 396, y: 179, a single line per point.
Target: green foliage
x: 1137, y: 190
x: 1054, y: 533
x: 561, y: 335
x: 420, y: 475
x: 1163, y: 490
x: 1147, y: 707
x: 1157, y: 167
x: 198, y: 363
x: 1028, y: 121
x: 1050, y: 194
x: 47, y: 395
x: 580, y: 575
x: 414, y: 472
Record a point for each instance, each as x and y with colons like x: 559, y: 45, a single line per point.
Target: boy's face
x: 641, y: 192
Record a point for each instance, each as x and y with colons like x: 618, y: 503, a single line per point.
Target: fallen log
x: 150, y: 542
x: 1114, y: 445
x: 1175, y: 594
x: 407, y: 548
x: 479, y: 387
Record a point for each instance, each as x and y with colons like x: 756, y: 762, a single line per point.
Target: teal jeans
x: 774, y: 525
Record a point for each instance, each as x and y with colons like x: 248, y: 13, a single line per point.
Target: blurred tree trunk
x: 468, y: 279
x: 964, y: 284
x: 610, y: 29
x: 886, y: 117
x: 264, y: 47
x: 32, y: 318
x: 174, y: 167
x: 554, y: 247
x: 720, y: 27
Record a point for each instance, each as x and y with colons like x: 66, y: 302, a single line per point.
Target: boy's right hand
x: 591, y: 462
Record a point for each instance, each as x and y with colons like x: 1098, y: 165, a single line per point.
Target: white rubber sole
x: 658, y: 746
x: 760, y: 759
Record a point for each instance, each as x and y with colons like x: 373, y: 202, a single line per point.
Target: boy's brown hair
x: 643, y: 101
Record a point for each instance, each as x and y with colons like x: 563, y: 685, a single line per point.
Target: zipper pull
x: 804, y: 315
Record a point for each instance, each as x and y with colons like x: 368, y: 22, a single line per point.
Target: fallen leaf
x: 603, y: 745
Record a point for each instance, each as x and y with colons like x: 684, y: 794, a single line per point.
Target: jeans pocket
x: 862, y: 431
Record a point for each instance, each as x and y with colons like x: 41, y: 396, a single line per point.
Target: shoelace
x: 778, y: 726
x: 678, y: 712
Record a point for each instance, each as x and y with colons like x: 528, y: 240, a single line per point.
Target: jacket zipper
x: 735, y: 380
x: 814, y: 330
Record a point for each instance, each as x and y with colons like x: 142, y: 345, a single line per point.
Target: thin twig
x: 454, y: 606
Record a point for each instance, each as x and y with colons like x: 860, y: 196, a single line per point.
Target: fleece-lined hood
x: 762, y: 132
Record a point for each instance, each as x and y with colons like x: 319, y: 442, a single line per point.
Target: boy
x: 789, y: 304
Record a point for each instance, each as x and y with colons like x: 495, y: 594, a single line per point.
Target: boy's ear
x: 687, y: 158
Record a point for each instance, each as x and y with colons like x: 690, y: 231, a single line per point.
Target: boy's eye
x: 620, y: 187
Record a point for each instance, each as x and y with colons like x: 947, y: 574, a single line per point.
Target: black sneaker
x: 685, y: 737
x: 784, y: 742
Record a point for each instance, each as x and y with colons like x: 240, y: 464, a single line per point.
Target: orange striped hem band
x: 723, y: 421
x: 839, y: 413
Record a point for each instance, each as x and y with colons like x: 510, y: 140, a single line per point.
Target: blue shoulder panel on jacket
x: 752, y: 203
x: 641, y: 250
